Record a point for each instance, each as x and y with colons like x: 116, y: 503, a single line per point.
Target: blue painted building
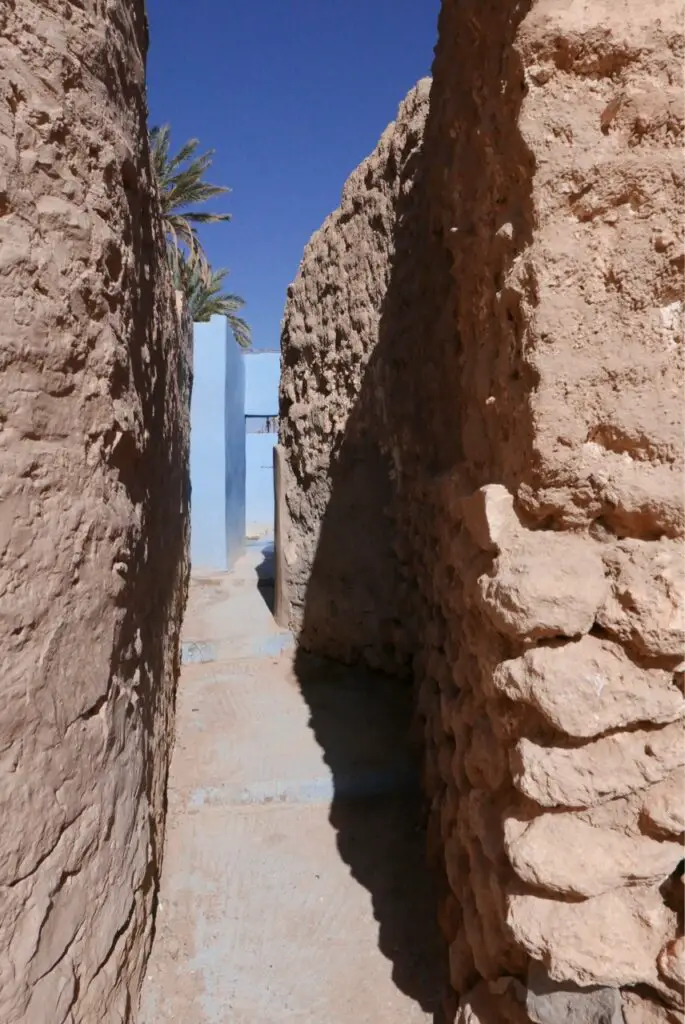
x: 262, y: 371
x: 233, y: 424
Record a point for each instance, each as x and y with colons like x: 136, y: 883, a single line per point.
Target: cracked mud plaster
x: 95, y: 365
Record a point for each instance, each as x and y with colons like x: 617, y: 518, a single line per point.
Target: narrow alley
x: 342, y: 519
x: 293, y: 883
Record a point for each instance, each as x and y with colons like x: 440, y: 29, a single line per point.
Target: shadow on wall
x: 410, y: 409
x: 156, y: 478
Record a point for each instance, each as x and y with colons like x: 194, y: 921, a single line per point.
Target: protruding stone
x: 549, y: 1002
x: 663, y: 810
x: 672, y: 963
x: 489, y: 516
x: 562, y: 853
x: 603, y: 769
x: 545, y: 585
x: 646, y: 604
x: 612, y: 939
x: 590, y: 686
x: 637, y: 1009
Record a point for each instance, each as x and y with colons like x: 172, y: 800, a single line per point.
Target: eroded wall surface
x: 529, y: 369
x: 561, y: 809
x: 343, y: 582
x: 95, y: 367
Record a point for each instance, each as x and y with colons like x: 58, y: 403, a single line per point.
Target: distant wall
x: 95, y: 372
x: 259, y: 496
x: 231, y: 470
x: 235, y: 463
x: 262, y: 371
x: 217, y: 449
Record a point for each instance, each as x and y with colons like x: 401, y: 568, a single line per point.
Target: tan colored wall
x: 342, y: 583
x: 529, y: 366
x: 565, y: 177
x: 94, y: 420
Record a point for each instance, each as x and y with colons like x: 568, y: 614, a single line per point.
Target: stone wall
x: 527, y: 380
x: 95, y: 370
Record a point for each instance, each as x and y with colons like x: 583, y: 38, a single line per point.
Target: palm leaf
x: 206, y: 299
x: 240, y: 329
x: 181, y: 187
x: 207, y: 218
x: 185, y: 153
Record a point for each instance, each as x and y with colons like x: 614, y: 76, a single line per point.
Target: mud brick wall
x: 558, y: 780
x: 520, y: 345
x: 342, y: 581
x: 95, y: 365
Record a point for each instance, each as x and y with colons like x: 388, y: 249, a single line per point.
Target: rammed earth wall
x: 482, y: 442
x: 95, y: 364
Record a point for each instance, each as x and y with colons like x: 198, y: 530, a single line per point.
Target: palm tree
x: 205, y: 298
x: 180, y: 185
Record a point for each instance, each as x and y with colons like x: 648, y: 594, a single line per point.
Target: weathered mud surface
x: 94, y: 419
x: 511, y: 354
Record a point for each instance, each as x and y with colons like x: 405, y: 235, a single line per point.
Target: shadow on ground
x: 266, y: 576
x: 362, y: 721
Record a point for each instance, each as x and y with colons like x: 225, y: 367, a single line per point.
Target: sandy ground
x: 294, y: 886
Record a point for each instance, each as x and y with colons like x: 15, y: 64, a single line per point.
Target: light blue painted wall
x: 259, y: 497
x: 262, y: 371
x: 217, y: 448
x: 231, y: 472
x: 235, y: 467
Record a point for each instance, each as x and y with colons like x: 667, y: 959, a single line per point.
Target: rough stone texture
x: 612, y: 939
x: 496, y: 489
x: 609, y: 767
x: 543, y: 585
x: 548, y: 1002
x: 94, y: 421
x: 603, y: 859
x: 590, y: 687
x: 646, y: 608
x: 663, y: 809
x: 640, y: 1010
x: 331, y: 326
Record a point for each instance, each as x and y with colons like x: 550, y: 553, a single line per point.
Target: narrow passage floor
x: 294, y: 886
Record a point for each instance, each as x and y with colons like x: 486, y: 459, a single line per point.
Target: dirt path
x: 293, y: 886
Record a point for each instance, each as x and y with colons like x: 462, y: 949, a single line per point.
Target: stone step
x: 256, y: 733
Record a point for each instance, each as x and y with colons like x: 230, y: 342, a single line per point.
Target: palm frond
x: 160, y: 138
x: 185, y: 153
x: 241, y: 330
x: 206, y: 299
x: 178, y: 231
x: 187, y: 192
x: 207, y: 218
x: 181, y: 187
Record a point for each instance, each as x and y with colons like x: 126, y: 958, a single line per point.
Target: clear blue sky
x: 292, y: 95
